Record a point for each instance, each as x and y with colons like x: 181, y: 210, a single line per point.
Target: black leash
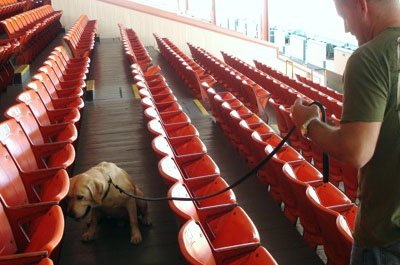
x: 233, y: 185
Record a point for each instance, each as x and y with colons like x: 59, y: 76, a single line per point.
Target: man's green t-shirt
x: 370, y: 95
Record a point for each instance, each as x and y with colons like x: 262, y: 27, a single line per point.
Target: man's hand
x: 302, y: 113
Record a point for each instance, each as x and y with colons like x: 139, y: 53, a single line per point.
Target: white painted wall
x: 340, y: 59
x: 316, y: 52
x: 109, y: 16
x: 296, y: 47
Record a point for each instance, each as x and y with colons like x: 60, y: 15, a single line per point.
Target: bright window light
x: 316, y: 18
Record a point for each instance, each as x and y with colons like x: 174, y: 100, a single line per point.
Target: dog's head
x: 84, y: 193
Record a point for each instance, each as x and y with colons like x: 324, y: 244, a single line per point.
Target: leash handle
x: 325, y: 157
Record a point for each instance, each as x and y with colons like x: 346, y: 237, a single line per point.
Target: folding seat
x: 278, y: 187
x: 148, y: 92
x: 62, y: 75
x: 50, y: 98
x: 246, y: 130
x: 65, y: 69
x: 70, y: 67
x: 335, y: 170
x: 21, y: 187
x: 228, y: 235
x: 167, y: 118
x: 37, y: 134
x: 164, y: 100
x: 46, y: 117
x: 30, y: 233
x: 260, y: 142
x: 79, y: 61
x: 46, y: 261
x: 55, y: 90
x: 259, y: 256
x: 193, y: 170
x: 328, y: 204
x: 350, y: 181
x: 31, y: 157
x: 295, y: 137
x: 198, y: 210
x: 345, y: 237
x: 182, y: 149
x: 171, y: 131
x: 299, y: 176
x: 76, y: 85
x: 283, y: 130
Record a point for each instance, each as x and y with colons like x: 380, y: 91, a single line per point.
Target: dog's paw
x: 87, y: 236
x: 136, y: 238
x: 146, y: 220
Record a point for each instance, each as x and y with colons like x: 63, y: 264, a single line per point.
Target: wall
x: 109, y: 15
x: 315, y: 53
x: 340, y: 59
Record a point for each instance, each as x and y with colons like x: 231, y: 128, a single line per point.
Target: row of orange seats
x: 10, y: 8
x: 37, y: 153
x: 328, y: 91
x: 325, y: 213
x: 81, y: 37
x: 282, y: 99
x: 189, y: 71
x: 251, y: 94
x: 7, y: 49
x: 33, y: 29
x: 333, y: 104
x: 135, y: 50
x: 189, y: 171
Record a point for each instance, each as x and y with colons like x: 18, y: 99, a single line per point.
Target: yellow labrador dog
x: 91, y: 193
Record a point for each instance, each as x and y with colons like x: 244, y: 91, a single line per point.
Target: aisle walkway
x: 113, y: 129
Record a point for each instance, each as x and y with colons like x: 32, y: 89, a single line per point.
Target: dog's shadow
x: 115, y: 228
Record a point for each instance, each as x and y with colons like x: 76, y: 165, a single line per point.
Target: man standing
x: 369, y: 134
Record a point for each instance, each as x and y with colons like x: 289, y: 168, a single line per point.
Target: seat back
x: 43, y: 93
x: 52, y: 75
x: 8, y: 245
x: 48, y: 84
x: 194, y: 245
x: 260, y: 256
x: 233, y: 228
x: 21, y: 113
x: 32, y: 99
x: 11, y: 186
x: 13, y: 137
x: 48, y: 231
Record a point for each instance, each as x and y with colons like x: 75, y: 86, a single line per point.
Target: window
x: 241, y: 16
x: 313, y: 18
x: 200, y: 9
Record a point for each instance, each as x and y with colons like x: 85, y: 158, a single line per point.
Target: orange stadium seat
x: 44, y: 116
x: 219, y: 243
x: 199, y: 210
x: 328, y: 205
x: 24, y: 187
x: 30, y: 157
x: 30, y: 233
x: 37, y: 134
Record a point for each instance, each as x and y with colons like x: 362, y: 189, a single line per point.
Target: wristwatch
x: 304, y: 127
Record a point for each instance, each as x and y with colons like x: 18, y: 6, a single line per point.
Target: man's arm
x: 352, y: 143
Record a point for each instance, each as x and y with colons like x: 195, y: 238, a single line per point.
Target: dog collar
x: 108, y: 189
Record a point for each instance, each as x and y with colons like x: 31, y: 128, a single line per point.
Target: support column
x: 264, y: 21
x: 213, y: 16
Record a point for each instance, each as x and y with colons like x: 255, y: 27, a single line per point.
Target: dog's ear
x: 96, y: 189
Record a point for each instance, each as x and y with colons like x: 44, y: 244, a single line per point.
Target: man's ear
x: 364, y: 6
x: 96, y: 189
